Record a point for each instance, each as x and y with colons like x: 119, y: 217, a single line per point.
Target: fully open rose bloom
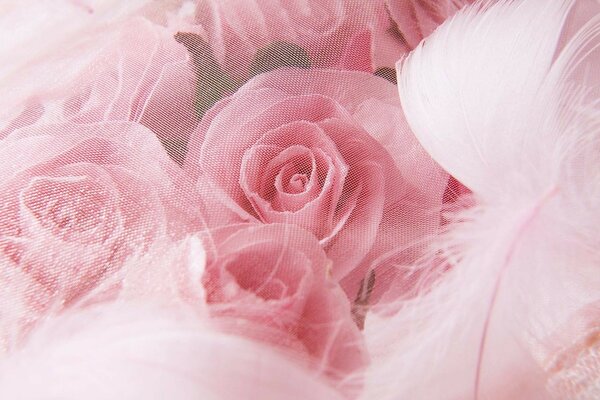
x: 276, y: 277
x: 77, y: 199
x: 303, y: 147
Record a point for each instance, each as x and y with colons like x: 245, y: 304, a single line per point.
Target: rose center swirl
x: 67, y: 206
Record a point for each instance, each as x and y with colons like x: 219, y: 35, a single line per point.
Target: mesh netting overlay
x: 324, y: 199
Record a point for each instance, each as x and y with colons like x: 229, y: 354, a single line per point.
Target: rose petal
x: 355, y: 239
x: 357, y: 54
x: 169, y: 109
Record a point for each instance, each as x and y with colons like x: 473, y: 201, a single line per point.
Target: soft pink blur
x: 142, y: 75
x: 146, y: 77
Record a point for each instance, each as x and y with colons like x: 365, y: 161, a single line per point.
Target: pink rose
x: 77, y: 199
x: 417, y: 19
x: 276, y: 276
x: 145, y: 77
x: 248, y: 37
x: 142, y: 75
x: 46, y: 44
x: 305, y: 147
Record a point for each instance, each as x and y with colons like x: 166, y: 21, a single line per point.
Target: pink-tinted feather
x: 511, y: 114
x: 149, y: 351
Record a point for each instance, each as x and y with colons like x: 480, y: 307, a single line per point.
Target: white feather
x: 134, y: 351
x: 490, y: 99
x: 476, y: 79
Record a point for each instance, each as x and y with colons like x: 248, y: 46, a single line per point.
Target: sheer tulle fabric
x: 325, y: 199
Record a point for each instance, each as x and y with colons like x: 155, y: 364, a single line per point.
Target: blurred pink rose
x: 142, y: 75
x: 145, y: 77
x: 417, y: 19
x: 252, y: 36
x: 77, y: 199
x: 45, y: 45
x: 276, y: 276
x: 304, y: 147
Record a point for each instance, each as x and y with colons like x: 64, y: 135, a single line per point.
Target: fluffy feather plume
x: 497, y: 102
x: 133, y: 351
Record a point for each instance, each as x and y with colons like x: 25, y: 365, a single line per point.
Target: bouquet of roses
x: 315, y: 199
